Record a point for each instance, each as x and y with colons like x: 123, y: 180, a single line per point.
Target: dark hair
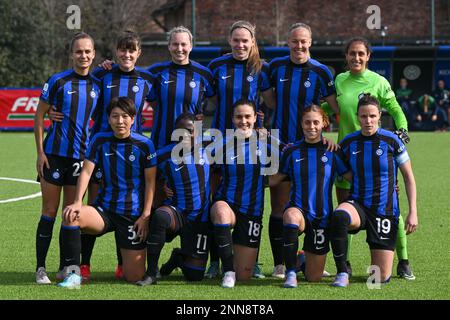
x: 366, y: 99
x: 77, y: 36
x: 363, y: 40
x: 184, y: 116
x: 123, y: 103
x: 129, y: 40
x: 316, y: 108
x: 244, y: 101
x: 254, y: 63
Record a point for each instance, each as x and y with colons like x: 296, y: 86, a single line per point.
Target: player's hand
x: 263, y: 133
x: 141, y: 228
x: 411, y: 223
x: 403, y: 135
x: 199, y: 117
x: 54, y: 115
x: 71, y: 212
x: 332, y: 146
x: 107, y: 64
x: 40, y: 163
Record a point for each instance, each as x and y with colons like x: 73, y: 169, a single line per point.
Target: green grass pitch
x: 429, y: 249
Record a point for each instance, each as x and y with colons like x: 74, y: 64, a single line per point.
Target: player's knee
x: 340, y: 218
x: 193, y: 274
x: 160, y: 219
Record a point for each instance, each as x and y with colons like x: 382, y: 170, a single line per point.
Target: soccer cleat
x: 326, y: 274
x: 404, y: 270
x: 291, y: 280
x: 349, y: 268
x: 171, y: 264
x: 85, y: 271
x: 41, y: 276
x: 118, y: 274
x: 341, y: 280
x: 147, y: 281
x: 257, y: 272
x: 72, y: 281
x: 279, y: 271
x: 229, y: 279
x: 213, y: 270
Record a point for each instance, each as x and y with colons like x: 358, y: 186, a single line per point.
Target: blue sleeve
x: 151, y: 155
x: 50, y: 90
x: 92, y: 150
x: 327, y: 87
x: 264, y: 78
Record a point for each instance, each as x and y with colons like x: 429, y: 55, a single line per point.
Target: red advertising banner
x: 18, y: 106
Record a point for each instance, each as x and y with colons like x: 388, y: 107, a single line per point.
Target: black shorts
x: 123, y: 229
x: 248, y: 229
x: 63, y: 171
x: 195, y: 236
x: 381, y: 231
x: 97, y: 175
x: 317, y: 239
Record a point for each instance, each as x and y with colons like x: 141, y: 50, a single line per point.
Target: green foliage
x: 427, y: 248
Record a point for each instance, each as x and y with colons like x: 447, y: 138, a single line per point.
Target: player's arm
x: 389, y: 102
x: 276, y: 179
x: 269, y: 98
x: 42, y: 160
x: 141, y: 224
x: 54, y: 115
x: 71, y: 211
x: 411, y: 220
x: 332, y: 102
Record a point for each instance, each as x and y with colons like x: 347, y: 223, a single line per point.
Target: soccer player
x: 373, y: 155
x: 312, y: 170
x: 123, y: 79
x: 239, y: 200
x: 298, y: 82
x: 180, y: 86
x: 186, y: 212
x: 60, y: 155
x: 128, y: 163
x: 241, y: 74
x: 350, y: 86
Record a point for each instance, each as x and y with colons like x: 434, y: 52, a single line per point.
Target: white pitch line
x: 35, y: 195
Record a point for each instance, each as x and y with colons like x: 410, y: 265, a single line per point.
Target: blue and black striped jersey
x: 122, y: 162
x: 374, y: 161
x: 75, y: 96
x: 177, y: 89
x: 312, y: 170
x: 135, y: 85
x: 232, y: 82
x: 297, y: 86
x: 188, y: 177
x: 242, y: 171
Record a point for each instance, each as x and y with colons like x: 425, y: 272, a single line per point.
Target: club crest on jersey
x: 250, y: 78
x: 131, y: 157
x: 135, y: 88
x: 56, y: 175
x: 379, y: 152
x: 93, y: 94
x: 324, y: 159
x: 192, y: 84
x: 98, y: 175
x: 307, y: 84
x: 201, y: 161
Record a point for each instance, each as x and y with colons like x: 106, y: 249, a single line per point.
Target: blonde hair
x: 179, y: 29
x: 254, y: 62
x: 299, y: 25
